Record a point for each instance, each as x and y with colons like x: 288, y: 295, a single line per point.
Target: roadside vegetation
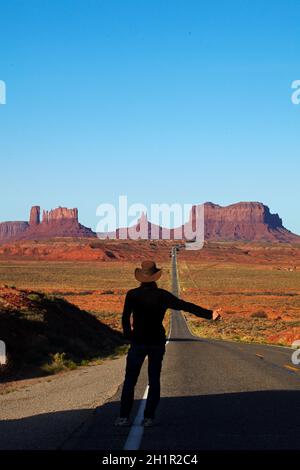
x: 47, y: 334
x: 249, y: 330
x: 97, y: 288
x: 56, y: 316
x: 260, y: 303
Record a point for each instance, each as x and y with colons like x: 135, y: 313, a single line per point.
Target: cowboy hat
x: 148, y: 272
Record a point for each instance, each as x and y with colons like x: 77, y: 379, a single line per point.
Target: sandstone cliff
x: 249, y: 221
x: 59, y: 222
x: 244, y: 221
x: 59, y: 214
x: 12, y: 230
x: 34, y: 215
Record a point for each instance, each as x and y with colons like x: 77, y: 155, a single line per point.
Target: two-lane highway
x: 215, y: 395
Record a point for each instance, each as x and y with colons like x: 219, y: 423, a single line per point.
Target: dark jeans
x: 135, y: 359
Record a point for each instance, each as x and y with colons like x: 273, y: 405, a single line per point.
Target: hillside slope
x: 40, y: 330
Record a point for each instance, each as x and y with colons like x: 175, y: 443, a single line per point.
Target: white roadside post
x: 2, y: 353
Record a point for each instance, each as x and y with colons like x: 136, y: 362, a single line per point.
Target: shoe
x: 148, y: 422
x: 122, y: 422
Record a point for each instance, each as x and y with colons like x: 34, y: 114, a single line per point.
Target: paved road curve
x: 215, y: 395
x: 43, y: 413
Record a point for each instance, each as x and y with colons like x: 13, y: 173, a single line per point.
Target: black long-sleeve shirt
x: 148, y: 304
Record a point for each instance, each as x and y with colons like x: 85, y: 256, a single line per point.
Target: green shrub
x: 34, y: 297
x: 59, y: 362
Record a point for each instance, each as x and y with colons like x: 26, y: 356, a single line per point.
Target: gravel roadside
x: 45, y: 414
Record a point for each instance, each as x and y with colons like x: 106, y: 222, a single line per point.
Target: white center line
x: 135, y: 435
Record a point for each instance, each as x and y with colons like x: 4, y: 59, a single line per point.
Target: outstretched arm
x: 177, y: 304
x: 127, y: 310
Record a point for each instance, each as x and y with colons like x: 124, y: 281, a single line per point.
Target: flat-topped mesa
x: 34, y: 215
x: 243, y: 212
x: 59, y: 214
x: 243, y: 221
x: 11, y: 230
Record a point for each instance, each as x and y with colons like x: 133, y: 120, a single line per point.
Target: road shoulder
x: 43, y: 414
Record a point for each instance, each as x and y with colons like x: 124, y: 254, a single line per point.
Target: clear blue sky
x: 164, y: 101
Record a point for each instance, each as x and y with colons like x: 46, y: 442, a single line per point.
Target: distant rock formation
x: 61, y: 213
x: 11, y: 230
x: 59, y: 222
x: 34, y: 216
x: 249, y: 221
x: 244, y: 221
x: 142, y: 230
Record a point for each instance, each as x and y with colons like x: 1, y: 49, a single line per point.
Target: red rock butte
x: 35, y: 215
x: 249, y: 221
x: 243, y: 221
x: 59, y: 222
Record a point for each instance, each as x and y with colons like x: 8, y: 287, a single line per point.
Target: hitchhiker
x: 148, y: 304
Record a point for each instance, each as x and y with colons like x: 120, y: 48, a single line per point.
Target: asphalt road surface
x: 43, y: 413
x: 214, y: 395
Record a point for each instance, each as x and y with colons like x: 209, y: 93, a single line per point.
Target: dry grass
x: 48, y: 334
x: 98, y: 288
x: 260, y: 303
